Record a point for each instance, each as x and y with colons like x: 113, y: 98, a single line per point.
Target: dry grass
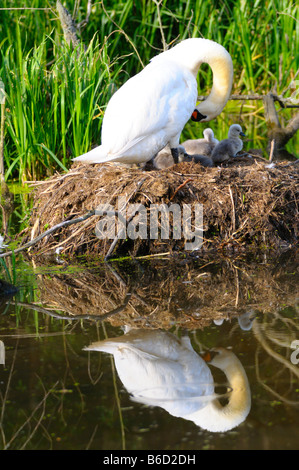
x: 245, y: 206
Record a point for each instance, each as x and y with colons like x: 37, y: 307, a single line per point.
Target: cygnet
x: 203, y: 146
x: 164, y: 158
x: 229, y: 147
x: 204, y: 160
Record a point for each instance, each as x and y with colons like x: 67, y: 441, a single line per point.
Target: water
x: 56, y: 395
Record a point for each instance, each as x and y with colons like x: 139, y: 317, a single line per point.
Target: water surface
x: 56, y: 395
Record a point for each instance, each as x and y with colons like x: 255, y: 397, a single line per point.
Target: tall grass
x: 50, y: 110
x: 56, y: 97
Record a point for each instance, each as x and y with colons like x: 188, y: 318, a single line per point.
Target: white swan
x: 150, y: 110
x: 229, y: 147
x: 201, y: 146
x: 159, y: 369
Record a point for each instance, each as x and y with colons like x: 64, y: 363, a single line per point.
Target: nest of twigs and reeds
x: 247, y: 204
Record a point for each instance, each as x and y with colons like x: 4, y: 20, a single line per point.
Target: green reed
x: 50, y: 111
x: 56, y: 97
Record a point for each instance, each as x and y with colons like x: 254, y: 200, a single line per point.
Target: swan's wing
x: 160, y: 97
x: 129, y: 145
x: 114, y: 346
x: 101, y: 155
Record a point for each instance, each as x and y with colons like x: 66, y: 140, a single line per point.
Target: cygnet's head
x: 208, y: 134
x: 235, y: 131
x: 246, y: 320
x: 181, y: 153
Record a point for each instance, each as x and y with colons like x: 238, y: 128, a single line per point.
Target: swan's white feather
x: 147, y: 112
x: 159, y: 369
x: 151, y: 109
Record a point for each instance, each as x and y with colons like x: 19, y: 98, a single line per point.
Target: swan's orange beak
x: 207, y: 356
x: 197, y: 116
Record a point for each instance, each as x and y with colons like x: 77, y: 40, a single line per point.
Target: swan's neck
x: 222, y: 69
x: 235, y: 411
x: 191, y: 54
x: 217, y: 57
x: 217, y: 418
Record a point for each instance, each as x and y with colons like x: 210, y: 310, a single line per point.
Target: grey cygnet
x: 164, y: 158
x: 203, y: 146
x: 229, y: 147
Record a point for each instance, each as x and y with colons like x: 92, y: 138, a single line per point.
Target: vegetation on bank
x: 56, y: 97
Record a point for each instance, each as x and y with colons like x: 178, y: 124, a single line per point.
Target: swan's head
x: 235, y: 131
x: 222, y: 358
x: 215, y: 417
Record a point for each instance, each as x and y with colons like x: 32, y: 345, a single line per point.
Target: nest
x: 163, y: 293
x: 246, y: 205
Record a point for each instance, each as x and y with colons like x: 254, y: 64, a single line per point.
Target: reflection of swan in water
x: 159, y: 369
x: 245, y: 320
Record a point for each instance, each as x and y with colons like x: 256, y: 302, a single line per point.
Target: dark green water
x: 55, y: 395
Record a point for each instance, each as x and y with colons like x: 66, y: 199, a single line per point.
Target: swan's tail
x: 96, y: 155
x: 109, y: 346
x: 118, y: 345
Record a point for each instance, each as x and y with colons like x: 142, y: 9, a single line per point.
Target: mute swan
x: 229, y: 147
x: 150, y: 110
x: 159, y: 369
x: 201, y: 146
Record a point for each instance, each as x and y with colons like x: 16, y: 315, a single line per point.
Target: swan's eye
x: 197, y: 116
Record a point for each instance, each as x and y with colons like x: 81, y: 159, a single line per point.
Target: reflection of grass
x: 275, y: 334
x: 9, y: 268
x: 50, y: 415
x: 40, y: 420
x: 16, y: 274
x: 22, y: 435
x: 32, y: 425
x: 117, y: 398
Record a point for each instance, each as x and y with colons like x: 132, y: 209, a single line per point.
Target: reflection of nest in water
x: 244, y: 203
x: 164, y: 293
